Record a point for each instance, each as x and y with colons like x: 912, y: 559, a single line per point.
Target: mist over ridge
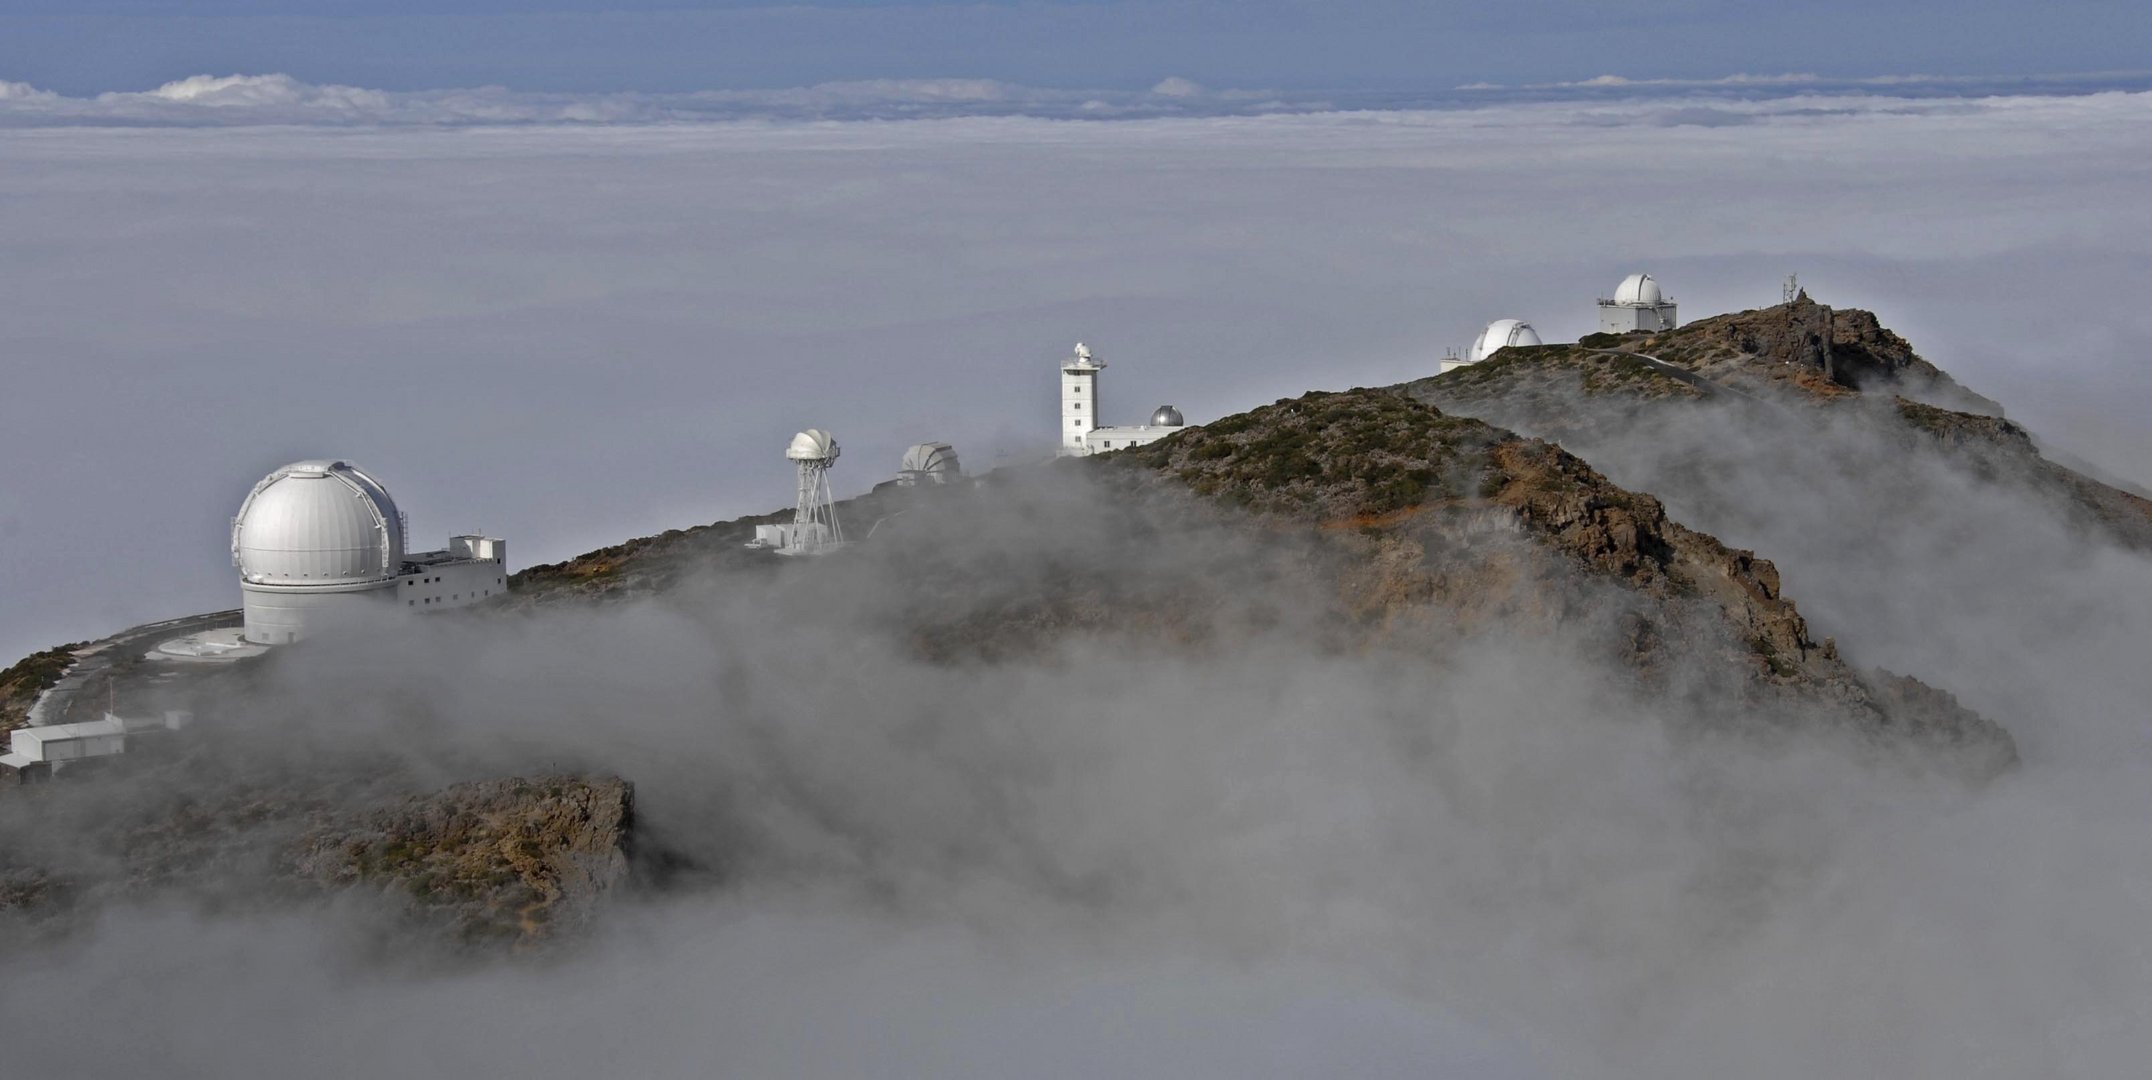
x: 1072, y: 745
x: 693, y: 293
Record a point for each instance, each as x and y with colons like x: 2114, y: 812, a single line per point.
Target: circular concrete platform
x: 218, y: 646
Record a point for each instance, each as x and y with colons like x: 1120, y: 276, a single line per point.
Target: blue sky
x: 88, y: 46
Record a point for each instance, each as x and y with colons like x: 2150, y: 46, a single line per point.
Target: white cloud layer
x: 277, y: 99
x: 227, y: 100
x: 571, y: 334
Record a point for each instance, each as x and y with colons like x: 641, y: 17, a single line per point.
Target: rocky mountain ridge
x: 1483, y: 504
x: 1417, y: 494
x: 1779, y: 370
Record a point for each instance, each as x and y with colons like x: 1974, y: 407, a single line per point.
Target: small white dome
x: 318, y: 523
x: 1501, y: 334
x: 814, y: 444
x: 1638, y: 290
x: 933, y: 457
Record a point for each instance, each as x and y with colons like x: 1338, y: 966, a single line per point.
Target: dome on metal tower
x: 933, y: 457
x: 1638, y: 290
x: 318, y: 523
x: 1501, y: 334
x: 1168, y: 416
x: 813, y: 444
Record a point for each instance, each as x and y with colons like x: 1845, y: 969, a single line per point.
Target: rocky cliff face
x: 515, y: 862
x: 521, y: 860
x: 21, y: 683
x: 1808, y: 347
x: 1448, y: 520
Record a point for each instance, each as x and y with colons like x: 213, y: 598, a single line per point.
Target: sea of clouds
x: 1260, y: 860
x: 571, y: 333
x: 278, y: 99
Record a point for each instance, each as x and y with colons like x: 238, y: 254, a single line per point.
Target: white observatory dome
x: 1501, y: 334
x: 318, y: 523
x: 1168, y: 416
x: 934, y: 458
x: 1638, y: 290
x: 814, y: 444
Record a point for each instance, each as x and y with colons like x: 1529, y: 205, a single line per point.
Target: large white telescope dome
x: 937, y: 458
x: 1638, y: 290
x: 1500, y: 334
x: 318, y: 523
x: 813, y: 444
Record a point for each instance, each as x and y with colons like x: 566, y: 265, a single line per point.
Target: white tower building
x: 1082, y: 434
x: 814, y: 518
x: 1637, y: 305
x: 1079, y: 399
x: 1500, y: 334
x: 321, y: 543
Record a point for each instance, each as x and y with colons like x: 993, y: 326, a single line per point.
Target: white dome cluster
x: 318, y: 523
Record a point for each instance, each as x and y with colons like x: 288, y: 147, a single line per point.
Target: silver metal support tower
x: 814, y: 520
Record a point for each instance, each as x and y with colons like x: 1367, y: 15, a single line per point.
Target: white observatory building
x: 929, y: 464
x: 1637, y: 305
x: 321, y: 543
x: 1081, y: 433
x: 1500, y: 334
x: 814, y: 529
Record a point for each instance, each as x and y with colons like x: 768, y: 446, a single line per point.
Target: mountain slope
x: 1450, y: 519
x: 1783, y: 375
x: 1377, y: 520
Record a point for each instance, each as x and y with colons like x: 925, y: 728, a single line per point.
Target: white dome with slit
x: 323, y: 523
x: 1638, y: 290
x: 813, y: 444
x: 1501, y: 334
x: 937, y: 457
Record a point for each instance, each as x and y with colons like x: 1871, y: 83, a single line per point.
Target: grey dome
x: 1167, y: 416
x: 938, y: 457
x: 318, y: 523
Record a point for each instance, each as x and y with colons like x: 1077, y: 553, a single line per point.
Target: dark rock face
x: 21, y: 683
x: 1810, y: 347
x: 518, y: 862
x: 1449, y: 519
